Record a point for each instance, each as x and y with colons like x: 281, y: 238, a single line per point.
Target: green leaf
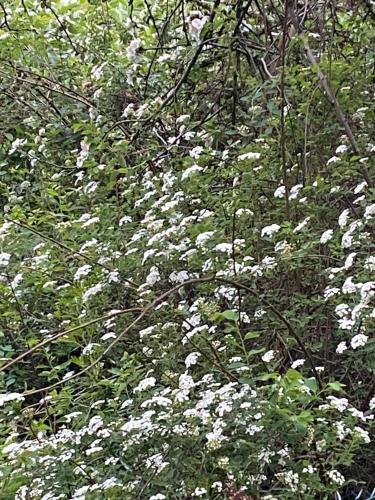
x: 230, y: 315
x: 251, y: 335
x: 336, y: 386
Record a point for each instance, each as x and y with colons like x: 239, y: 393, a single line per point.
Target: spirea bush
x: 186, y: 250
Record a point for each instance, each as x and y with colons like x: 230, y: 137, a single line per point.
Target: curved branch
x: 66, y: 332
x: 70, y: 250
x: 165, y: 295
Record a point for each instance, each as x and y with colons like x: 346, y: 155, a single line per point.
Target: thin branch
x: 282, y: 110
x: 7, y: 25
x: 339, y: 113
x: 171, y: 94
x: 62, y: 26
x: 66, y: 332
x: 241, y: 17
x: 165, y: 295
x: 70, y: 250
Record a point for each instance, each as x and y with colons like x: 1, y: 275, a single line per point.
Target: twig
x: 62, y: 26
x: 70, y: 250
x: 283, y: 104
x: 241, y: 17
x: 171, y: 94
x: 165, y: 295
x: 339, y: 113
x: 7, y: 25
x: 66, y: 332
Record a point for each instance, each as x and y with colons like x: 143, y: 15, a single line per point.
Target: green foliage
x: 186, y: 250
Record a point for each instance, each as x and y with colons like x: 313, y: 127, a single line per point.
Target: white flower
x: 94, y: 290
x: 132, y: 50
x: 360, y: 187
x: 109, y: 335
x: 249, y: 156
x: 192, y: 359
x: 153, y: 276
x: 326, y: 236
x: 89, y: 348
x: 90, y: 221
x: 182, y: 118
x: 334, y: 159
x: 244, y: 211
x: 297, y: 363
x: 90, y: 187
x: 93, y: 449
x: 363, y: 434
x: 186, y: 382
x: 301, y: 225
x: 17, y: 280
x: 194, y: 169
x: 156, y: 462
x: 4, y: 259
x: 259, y: 313
x: 336, y: 477
x: 179, y: 277
x: 16, y: 144
x: 144, y: 384
x: 253, y: 429
x: 342, y: 310
x: 196, y: 26
x: 81, y: 272
x: 343, y: 218
x: 370, y: 263
x: 97, y: 71
x: 217, y: 485
x: 124, y: 220
x: 280, y: 192
x: 71, y: 416
x: 372, y: 403
x: 268, y: 356
x: 293, y: 193
x: 146, y: 331
x: 270, y: 230
x: 340, y: 404
x: 349, y: 260
x: 348, y: 286
x: 80, y: 493
x: 158, y: 496
x: 68, y: 375
x: 5, y: 228
x: 359, y: 340
x: 203, y: 238
x: 88, y: 244
x: 341, y: 347
x: 196, y: 152
x: 224, y: 247
x: 369, y: 212
x: 343, y: 148
x: 11, y: 396
x: 367, y: 290
x: 113, y: 277
x: 198, y: 492
x: 282, y: 246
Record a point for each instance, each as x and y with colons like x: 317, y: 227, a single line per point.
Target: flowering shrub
x: 186, y: 250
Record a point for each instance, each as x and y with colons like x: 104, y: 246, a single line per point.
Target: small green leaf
x: 251, y: 335
x: 230, y: 315
x: 336, y: 386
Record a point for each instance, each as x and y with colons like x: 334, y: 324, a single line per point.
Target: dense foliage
x: 187, y: 215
